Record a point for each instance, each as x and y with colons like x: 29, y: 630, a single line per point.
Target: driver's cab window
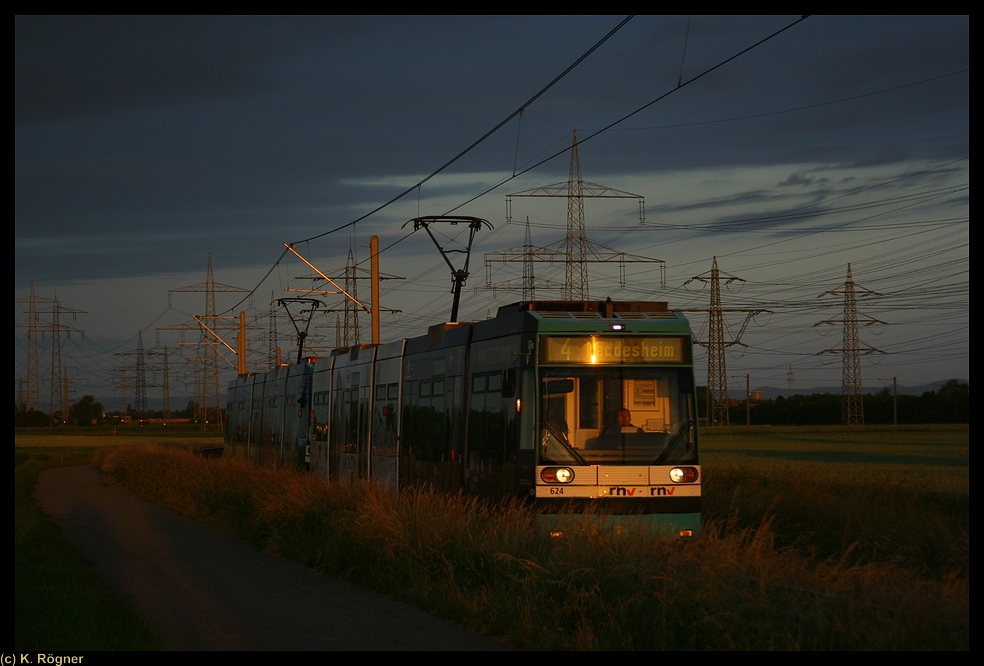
x: 557, y: 403
x: 588, y: 406
x: 599, y: 410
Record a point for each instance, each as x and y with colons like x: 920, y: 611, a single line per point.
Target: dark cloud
x: 144, y: 143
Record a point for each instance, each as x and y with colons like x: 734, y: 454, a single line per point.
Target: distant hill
x: 772, y: 392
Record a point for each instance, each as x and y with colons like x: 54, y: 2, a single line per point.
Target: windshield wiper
x: 674, y: 442
x: 562, y: 438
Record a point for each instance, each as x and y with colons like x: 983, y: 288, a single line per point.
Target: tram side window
x: 509, y: 383
x: 478, y: 383
x: 339, y: 425
x: 352, y: 402
x: 409, y: 416
x: 477, y: 425
x: 425, y: 420
x: 495, y: 382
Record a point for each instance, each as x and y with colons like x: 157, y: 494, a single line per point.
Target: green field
x: 929, y: 457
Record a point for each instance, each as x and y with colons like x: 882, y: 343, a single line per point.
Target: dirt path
x: 202, y: 590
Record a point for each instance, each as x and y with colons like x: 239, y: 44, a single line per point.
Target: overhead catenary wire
x: 519, y: 111
x: 485, y: 136
x: 761, y: 252
x: 565, y: 150
x: 417, y: 186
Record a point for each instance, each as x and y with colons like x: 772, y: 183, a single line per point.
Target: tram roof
x: 588, y: 315
x: 592, y: 310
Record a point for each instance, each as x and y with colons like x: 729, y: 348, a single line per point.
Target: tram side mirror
x: 509, y: 384
x: 558, y: 386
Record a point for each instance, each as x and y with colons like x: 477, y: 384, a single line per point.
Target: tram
x: 575, y: 407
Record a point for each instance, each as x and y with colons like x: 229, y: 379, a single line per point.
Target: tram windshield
x: 617, y: 415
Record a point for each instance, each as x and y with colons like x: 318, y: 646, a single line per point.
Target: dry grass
x: 788, y: 562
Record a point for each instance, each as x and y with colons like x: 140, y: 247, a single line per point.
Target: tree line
x: 949, y: 404
x: 89, y: 412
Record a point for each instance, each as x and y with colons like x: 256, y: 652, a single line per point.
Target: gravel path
x: 203, y: 590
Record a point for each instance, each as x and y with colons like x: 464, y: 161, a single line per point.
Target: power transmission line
x: 852, y: 409
x: 717, y: 374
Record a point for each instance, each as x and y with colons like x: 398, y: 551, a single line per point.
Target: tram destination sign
x: 595, y: 349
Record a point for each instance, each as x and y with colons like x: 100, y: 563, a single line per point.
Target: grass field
x: 59, y: 602
x: 813, y: 538
x: 932, y: 456
x: 862, y: 494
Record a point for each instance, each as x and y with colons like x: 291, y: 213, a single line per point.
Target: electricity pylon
x: 576, y: 250
x: 59, y: 394
x: 210, y: 327
x: 577, y: 242
x: 348, y: 327
x: 166, y: 391
x: 852, y: 402
x: 717, y: 374
x: 353, y: 333
x: 32, y: 395
x: 138, y: 376
x: 529, y: 280
x: 59, y: 379
x: 528, y: 255
x: 140, y: 401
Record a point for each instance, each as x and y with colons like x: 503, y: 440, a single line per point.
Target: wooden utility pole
x: 374, y: 289
x: 241, y: 345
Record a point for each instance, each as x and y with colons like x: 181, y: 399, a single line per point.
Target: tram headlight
x: 557, y: 474
x: 683, y: 474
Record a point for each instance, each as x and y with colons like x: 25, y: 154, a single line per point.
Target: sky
x: 787, y: 150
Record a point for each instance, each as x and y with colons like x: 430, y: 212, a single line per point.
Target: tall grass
x: 889, y: 521
x: 799, y: 563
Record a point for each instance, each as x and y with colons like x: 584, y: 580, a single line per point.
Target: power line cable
x: 489, y: 133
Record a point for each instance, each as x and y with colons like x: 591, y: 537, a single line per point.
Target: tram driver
x: 624, y: 425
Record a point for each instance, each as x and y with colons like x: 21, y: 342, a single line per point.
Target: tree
x: 31, y: 418
x: 86, y: 411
